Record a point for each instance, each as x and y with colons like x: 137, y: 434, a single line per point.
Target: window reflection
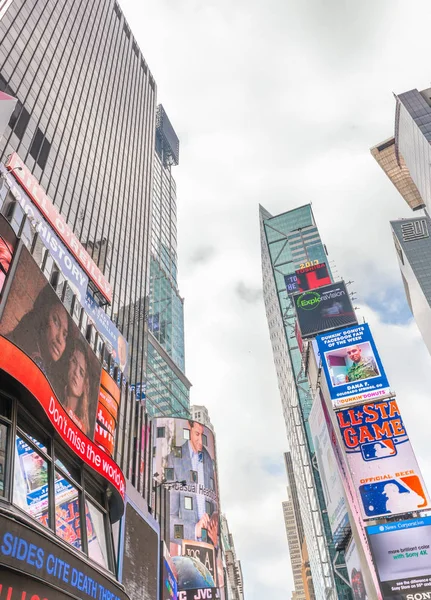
x: 30, y: 490
x: 97, y: 548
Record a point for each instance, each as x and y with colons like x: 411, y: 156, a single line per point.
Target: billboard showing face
x: 381, y: 460
x: 329, y: 474
x: 401, y: 552
x: 324, y: 309
x: 36, y: 321
x: 185, y: 456
x: 312, y: 277
x: 352, y: 365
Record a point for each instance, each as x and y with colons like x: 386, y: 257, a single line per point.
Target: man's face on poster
x: 196, y: 437
x: 354, y: 353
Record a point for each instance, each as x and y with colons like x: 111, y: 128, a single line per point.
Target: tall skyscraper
x: 84, y: 127
x: 167, y: 389
x: 405, y: 158
x: 289, y: 241
x: 232, y: 565
x: 413, y: 245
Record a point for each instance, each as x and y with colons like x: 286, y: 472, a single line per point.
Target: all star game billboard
x: 324, y: 309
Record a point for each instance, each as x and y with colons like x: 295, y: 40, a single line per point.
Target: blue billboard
x: 352, y: 366
x: 402, y: 555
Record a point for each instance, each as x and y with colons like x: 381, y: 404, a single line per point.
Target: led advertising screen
x: 352, y: 365
x: 324, y: 309
x: 35, y: 320
x: 354, y: 570
x: 331, y: 483
x: 381, y: 460
x: 43, y: 349
x: 8, y: 241
x: 291, y: 282
x: 107, y: 412
x: 169, y: 579
x: 185, y: 456
x: 312, y: 277
x: 402, y: 554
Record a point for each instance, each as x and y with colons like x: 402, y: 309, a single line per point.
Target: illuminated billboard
x: 402, y: 554
x: 70, y: 268
x: 291, y: 282
x: 58, y: 222
x: 352, y: 365
x: 42, y: 348
x: 35, y: 320
x: 324, y: 309
x: 381, y: 460
x: 312, y: 277
x: 331, y: 483
x: 185, y: 456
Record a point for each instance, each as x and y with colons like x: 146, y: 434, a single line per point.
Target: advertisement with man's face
x: 402, y: 554
x: 185, y: 456
x: 352, y: 365
x: 324, y: 309
x: 329, y: 475
x: 354, y: 569
x: 35, y: 320
x: 381, y: 460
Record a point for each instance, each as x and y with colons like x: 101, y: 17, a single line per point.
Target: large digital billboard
x: 41, y: 347
x: 312, y: 277
x: 58, y: 222
x: 185, y: 456
x: 352, y: 365
x: 331, y: 483
x: 324, y: 309
x: 381, y: 460
x: 35, y: 320
x: 402, y: 554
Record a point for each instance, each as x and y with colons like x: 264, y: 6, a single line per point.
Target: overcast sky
x: 277, y: 102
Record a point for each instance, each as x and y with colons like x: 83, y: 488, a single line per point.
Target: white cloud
x: 278, y: 103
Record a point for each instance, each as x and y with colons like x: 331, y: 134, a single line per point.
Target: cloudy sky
x: 277, y: 102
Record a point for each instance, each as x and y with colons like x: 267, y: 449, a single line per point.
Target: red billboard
x: 59, y: 224
x: 8, y: 242
x: 312, y: 277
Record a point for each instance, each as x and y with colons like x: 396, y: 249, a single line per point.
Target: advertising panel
x: 354, y: 569
x: 324, y: 309
x: 107, y: 412
x: 331, y: 483
x: 118, y: 346
x: 352, y: 365
x: 44, y: 350
x: 169, y: 586
x: 26, y: 551
x: 291, y: 282
x: 35, y: 320
x: 8, y: 241
x: 352, y: 499
x: 58, y: 222
x: 312, y: 277
x: 69, y: 267
x: 402, y: 554
x: 381, y: 460
x: 185, y: 456
x: 16, y: 586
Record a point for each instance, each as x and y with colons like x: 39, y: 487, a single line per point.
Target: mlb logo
x: 378, y: 450
x: 393, y: 496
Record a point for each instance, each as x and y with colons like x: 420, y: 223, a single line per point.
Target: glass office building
x: 413, y: 245
x: 84, y: 126
x: 287, y: 241
x: 167, y: 387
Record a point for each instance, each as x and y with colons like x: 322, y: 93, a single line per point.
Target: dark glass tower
x: 84, y: 126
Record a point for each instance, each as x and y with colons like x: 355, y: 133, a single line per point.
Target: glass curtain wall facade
x: 84, y: 126
x: 167, y: 388
x: 287, y: 241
